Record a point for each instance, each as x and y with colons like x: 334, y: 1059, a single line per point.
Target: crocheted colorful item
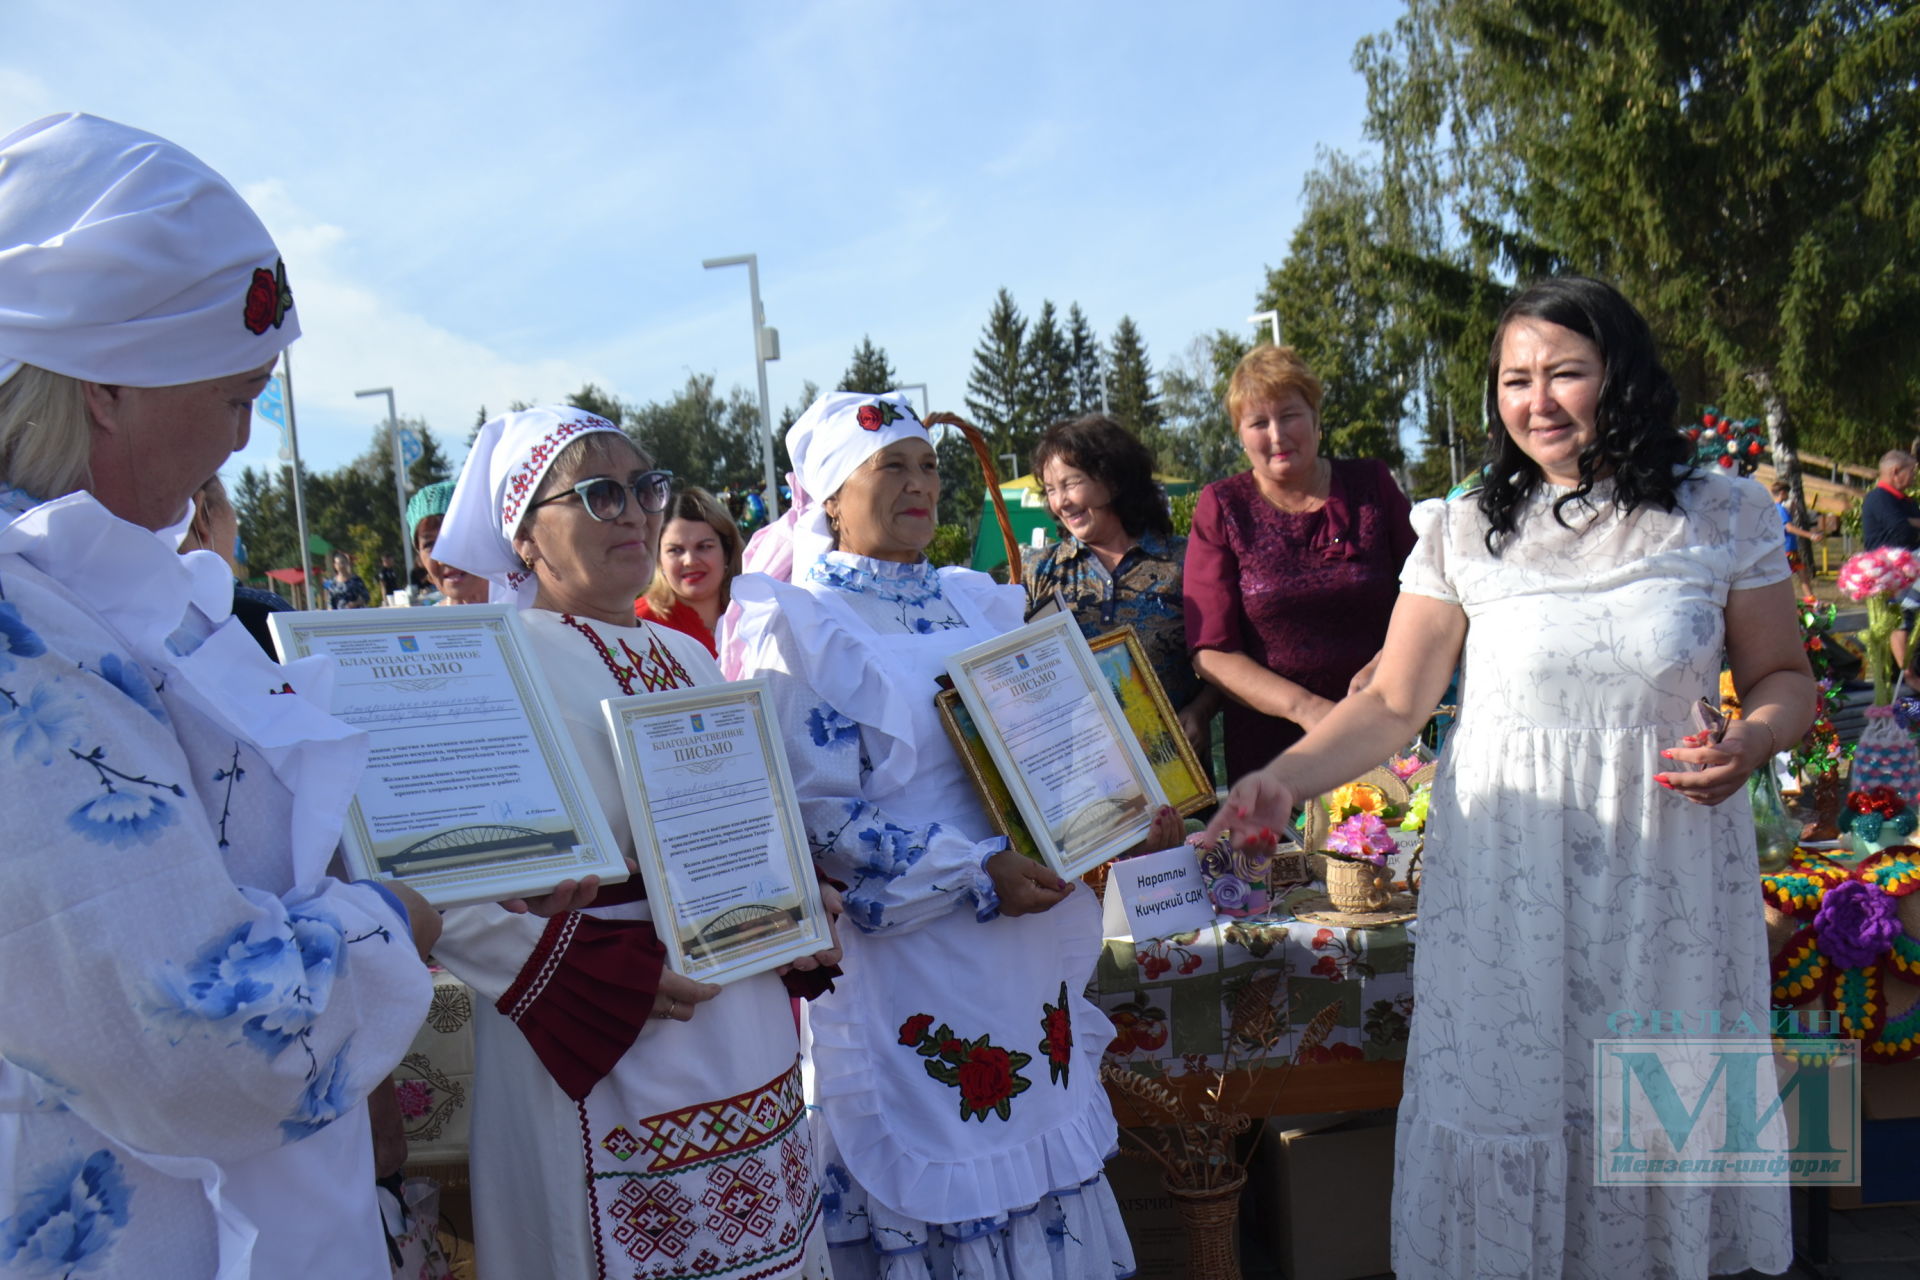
x: 1884, y: 571
x: 1852, y: 940
x: 1886, y: 758
x: 1876, y: 818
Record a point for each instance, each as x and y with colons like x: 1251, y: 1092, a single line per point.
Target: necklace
x: 657, y: 669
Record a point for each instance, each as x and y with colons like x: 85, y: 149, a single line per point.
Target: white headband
x: 509, y: 459
x: 838, y: 432
x: 126, y: 260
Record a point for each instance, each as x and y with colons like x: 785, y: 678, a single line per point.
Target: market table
x: 1170, y: 999
x: 1172, y: 1002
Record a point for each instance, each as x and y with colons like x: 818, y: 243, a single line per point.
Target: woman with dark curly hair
x: 1120, y: 562
x: 1581, y: 864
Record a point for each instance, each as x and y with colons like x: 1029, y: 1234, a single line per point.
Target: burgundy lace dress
x: 1307, y: 595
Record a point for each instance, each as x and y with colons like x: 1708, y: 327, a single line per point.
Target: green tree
x: 997, y: 388
x: 1336, y: 296
x: 1083, y: 351
x: 600, y: 403
x: 1131, y: 397
x: 432, y: 466
x: 869, y: 371
x: 702, y: 437
x: 1195, y: 440
x: 1743, y: 170
x: 1049, y: 361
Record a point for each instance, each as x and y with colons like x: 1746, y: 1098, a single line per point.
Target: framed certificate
x: 717, y: 829
x: 1142, y: 700
x: 1060, y: 742
x: 472, y: 790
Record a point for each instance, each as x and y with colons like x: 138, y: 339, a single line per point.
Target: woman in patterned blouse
x: 1121, y: 561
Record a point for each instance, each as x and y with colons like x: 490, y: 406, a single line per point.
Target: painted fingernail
x: 1666, y: 755
x: 1662, y: 780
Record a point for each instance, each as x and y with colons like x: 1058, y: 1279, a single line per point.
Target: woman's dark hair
x: 1108, y: 452
x: 1636, y: 441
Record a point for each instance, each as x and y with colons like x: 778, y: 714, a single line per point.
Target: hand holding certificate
x: 472, y: 793
x: 717, y: 830
x: 1060, y: 741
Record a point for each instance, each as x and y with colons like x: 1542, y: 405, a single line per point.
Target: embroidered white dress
x: 957, y: 1065
x: 608, y: 1143
x: 1562, y: 884
x: 193, y: 1010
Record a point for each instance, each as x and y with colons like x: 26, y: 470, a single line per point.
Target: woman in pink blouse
x: 1292, y: 566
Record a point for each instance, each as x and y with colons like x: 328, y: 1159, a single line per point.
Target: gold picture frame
x: 1123, y: 661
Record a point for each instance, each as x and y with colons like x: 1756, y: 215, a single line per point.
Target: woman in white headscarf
x: 627, y: 1121
x: 958, y: 1066
x: 192, y: 1010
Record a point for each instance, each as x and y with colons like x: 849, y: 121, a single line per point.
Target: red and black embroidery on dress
x: 987, y: 1076
x: 656, y: 669
x: 1056, y: 1038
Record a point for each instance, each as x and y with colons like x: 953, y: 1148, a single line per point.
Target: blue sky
x: 481, y: 202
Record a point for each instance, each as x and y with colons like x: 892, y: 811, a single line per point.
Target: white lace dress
x: 1563, y: 883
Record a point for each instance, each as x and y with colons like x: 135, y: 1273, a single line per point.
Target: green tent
x: 1028, y: 512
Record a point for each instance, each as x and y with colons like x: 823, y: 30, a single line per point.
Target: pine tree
x: 602, y: 403
x: 1049, y: 361
x: 997, y: 388
x: 870, y: 372
x: 1131, y: 397
x: 1083, y: 350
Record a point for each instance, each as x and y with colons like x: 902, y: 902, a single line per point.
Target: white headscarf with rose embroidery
x: 126, y: 260
x: 838, y: 432
x: 509, y: 459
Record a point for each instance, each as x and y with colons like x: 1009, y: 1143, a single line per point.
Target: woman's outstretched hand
x: 1258, y: 801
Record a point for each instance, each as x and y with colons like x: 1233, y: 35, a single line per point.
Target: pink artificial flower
x: 1363, y: 836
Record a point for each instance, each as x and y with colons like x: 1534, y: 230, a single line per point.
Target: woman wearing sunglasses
x: 593, y: 1061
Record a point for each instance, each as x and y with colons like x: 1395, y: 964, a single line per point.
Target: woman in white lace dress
x: 1582, y: 860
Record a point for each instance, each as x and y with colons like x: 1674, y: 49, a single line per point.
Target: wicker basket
x: 1211, y: 1217
x: 1358, y: 886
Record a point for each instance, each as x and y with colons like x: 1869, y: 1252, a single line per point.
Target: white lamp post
x: 399, y: 466
x: 1268, y: 317
x: 766, y: 346
x: 921, y: 387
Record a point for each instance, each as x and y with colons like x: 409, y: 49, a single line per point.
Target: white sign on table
x: 472, y: 790
x: 1160, y: 894
x: 717, y: 829
x: 1058, y: 736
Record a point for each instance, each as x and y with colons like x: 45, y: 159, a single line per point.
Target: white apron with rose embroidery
x: 989, y: 1164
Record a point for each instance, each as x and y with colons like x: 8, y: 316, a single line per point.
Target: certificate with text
x: 1060, y: 740
x: 472, y: 791
x: 717, y: 829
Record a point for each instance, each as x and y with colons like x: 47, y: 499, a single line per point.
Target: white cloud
x: 353, y: 336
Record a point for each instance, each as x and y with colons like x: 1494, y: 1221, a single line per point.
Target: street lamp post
x: 921, y: 387
x: 399, y: 466
x: 1268, y: 317
x: 766, y: 346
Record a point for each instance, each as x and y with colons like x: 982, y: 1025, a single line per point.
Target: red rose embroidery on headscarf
x: 268, y: 298
x: 261, y: 295
x: 874, y: 416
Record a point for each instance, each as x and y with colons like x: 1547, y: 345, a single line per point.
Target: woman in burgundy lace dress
x: 1292, y: 566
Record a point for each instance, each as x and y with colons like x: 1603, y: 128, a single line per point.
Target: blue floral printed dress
x: 193, y: 1010
x: 957, y: 1064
